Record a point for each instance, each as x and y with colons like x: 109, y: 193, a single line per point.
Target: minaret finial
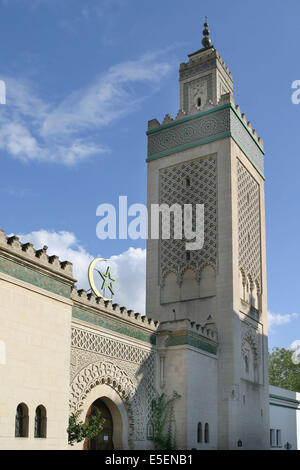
x: 206, y: 41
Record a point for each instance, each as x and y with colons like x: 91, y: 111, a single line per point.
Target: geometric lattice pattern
x: 202, y: 189
x: 249, y: 225
x: 100, y: 344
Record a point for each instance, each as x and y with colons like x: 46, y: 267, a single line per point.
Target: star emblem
x: 105, y: 277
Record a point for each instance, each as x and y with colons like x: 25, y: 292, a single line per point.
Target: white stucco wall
x: 285, y: 416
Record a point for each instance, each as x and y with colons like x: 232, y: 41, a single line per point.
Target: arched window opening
x: 199, y: 102
x: 40, y: 422
x: 187, y: 182
x: 21, y: 423
x: 206, y: 433
x: 199, y: 433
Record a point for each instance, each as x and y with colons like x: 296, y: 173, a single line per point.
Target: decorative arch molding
x: 96, y: 373
x: 249, y: 337
x: 207, y: 265
x: 250, y: 281
x: 166, y: 274
x: 244, y: 277
x: 197, y: 269
x: 191, y: 267
x: 91, y: 380
x: 258, y: 288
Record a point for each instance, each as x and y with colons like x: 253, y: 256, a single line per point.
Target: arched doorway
x: 104, y: 440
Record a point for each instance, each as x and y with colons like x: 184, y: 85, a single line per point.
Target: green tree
x: 164, y: 421
x: 79, y: 431
x: 283, y: 371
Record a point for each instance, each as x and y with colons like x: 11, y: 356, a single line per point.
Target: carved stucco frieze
x: 128, y: 369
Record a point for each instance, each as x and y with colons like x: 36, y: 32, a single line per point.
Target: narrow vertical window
x: 187, y: 181
x: 188, y: 256
x: 199, y: 433
x: 21, y: 421
x: 278, y: 438
x: 246, y: 365
x: 272, y: 438
x: 206, y: 433
x: 40, y: 422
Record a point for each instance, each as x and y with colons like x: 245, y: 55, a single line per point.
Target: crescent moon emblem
x: 91, y: 277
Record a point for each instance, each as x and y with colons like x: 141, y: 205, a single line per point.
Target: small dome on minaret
x: 206, y: 41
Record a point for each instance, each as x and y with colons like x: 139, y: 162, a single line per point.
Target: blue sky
x: 83, y: 78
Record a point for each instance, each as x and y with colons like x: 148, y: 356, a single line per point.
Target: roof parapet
x: 12, y: 245
x: 186, y: 324
x: 249, y: 126
x: 113, y: 309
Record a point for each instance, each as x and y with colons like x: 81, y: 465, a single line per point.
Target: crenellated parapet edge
x: 212, y: 124
x: 204, y: 59
x: 24, y: 254
x: 99, y: 306
x: 225, y: 100
x: 187, y: 333
x: 249, y: 126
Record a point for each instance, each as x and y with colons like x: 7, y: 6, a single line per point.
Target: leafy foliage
x: 78, y: 431
x: 283, y: 372
x: 164, y: 421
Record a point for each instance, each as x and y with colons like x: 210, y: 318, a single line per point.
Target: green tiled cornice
x: 114, y: 325
x: 191, y: 340
x: 205, y: 113
x: 34, y: 277
x: 188, y: 118
x: 202, y: 128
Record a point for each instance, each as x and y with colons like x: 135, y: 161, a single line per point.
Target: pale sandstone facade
x: 35, y: 329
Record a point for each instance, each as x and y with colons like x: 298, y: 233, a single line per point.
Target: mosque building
x: 205, y: 333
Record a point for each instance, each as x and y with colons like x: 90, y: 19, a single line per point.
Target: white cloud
x: 277, y: 319
x: 32, y: 129
x: 66, y: 247
x: 128, y: 268
x: 295, y: 345
x: 108, y: 98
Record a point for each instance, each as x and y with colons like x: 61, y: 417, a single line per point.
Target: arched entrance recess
x: 104, y: 440
x: 112, y: 401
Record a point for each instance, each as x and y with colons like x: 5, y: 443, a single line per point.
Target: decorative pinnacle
x: 206, y: 41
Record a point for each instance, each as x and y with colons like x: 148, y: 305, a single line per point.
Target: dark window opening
x: 21, y: 422
x: 40, y: 422
x: 199, y: 433
x: 206, y: 433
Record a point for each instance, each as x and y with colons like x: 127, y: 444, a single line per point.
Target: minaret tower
x: 210, y: 154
